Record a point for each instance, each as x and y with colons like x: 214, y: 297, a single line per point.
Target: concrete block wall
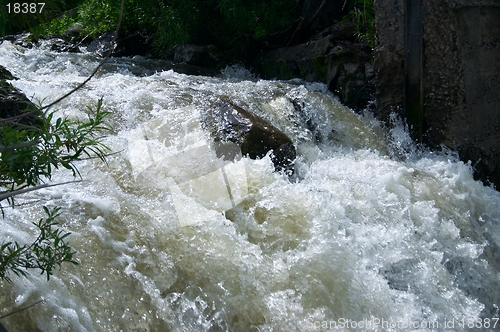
x: 460, y: 76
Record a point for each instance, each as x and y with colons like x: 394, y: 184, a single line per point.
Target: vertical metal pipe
x: 413, y: 67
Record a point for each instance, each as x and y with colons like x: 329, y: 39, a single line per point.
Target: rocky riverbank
x: 460, y: 111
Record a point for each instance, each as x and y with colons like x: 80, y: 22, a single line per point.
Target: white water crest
x: 371, y: 233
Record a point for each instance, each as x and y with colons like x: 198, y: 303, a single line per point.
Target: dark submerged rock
x: 61, y: 45
x: 102, y: 44
x: 184, y: 68
x: 130, y: 44
x: 230, y: 124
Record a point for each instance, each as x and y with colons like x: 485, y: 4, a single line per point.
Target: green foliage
x: 170, y: 31
x: 48, y: 251
x: 363, y: 16
x: 99, y: 16
x: 245, y: 25
x: 29, y: 152
x: 32, y: 145
x: 57, y: 26
x: 13, y: 23
x: 233, y: 25
x: 256, y: 18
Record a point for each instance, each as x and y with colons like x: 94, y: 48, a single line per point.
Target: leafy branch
x: 29, y: 153
x: 32, y: 145
x: 49, y: 250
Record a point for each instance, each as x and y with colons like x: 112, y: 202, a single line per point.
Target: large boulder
x: 102, y: 44
x: 333, y: 58
x: 231, y: 125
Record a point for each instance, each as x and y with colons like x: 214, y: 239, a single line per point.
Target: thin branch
x: 20, y: 116
x: 299, y: 27
x: 20, y: 146
x: 25, y: 190
x: 22, y: 309
x: 25, y: 126
x: 316, y: 13
x: 98, y: 67
x: 22, y: 204
x: 343, y: 6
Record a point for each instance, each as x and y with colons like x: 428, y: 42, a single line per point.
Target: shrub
x: 14, y: 23
x: 29, y: 152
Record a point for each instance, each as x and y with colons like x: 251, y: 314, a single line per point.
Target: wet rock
x: 132, y: 44
x: 230, y: 124
x: 341, y: 65
x: 399, y: 275
x: 26, y: 40
x: 194, y: 55
x: 74, y: 31
x: 14, y: 103
x: 102, y: 44
x: 5, y: 74
x: 184, y: 68
x: 127, y: 45
x: 60, y: 45
x: 389, y: 57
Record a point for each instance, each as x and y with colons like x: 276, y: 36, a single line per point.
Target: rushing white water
x: 370, y: 229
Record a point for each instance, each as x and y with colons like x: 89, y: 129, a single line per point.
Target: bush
x: 29, y: 152
x: 14, y: 23
x: 363, y: 16
x: 45, y: 253
x: 232, y: 26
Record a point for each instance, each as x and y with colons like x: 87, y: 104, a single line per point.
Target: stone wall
x: 460, y: 76
x: 443, y: 92
x: 389, y: 56
x: 344, y: 66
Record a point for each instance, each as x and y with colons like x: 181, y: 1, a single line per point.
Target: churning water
x: 370, y: 234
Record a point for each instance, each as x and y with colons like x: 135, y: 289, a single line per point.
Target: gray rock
x: 13, y: 103
x: 338, y: 64
x: 231, y: 125
x: 102, y: 44
x: 194, y: 55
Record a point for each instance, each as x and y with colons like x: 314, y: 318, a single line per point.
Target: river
x: 371, y: 233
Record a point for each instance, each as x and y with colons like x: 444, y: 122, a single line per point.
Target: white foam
x: 374, y: 229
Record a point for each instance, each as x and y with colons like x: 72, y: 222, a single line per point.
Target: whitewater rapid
x: 372, y: 233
